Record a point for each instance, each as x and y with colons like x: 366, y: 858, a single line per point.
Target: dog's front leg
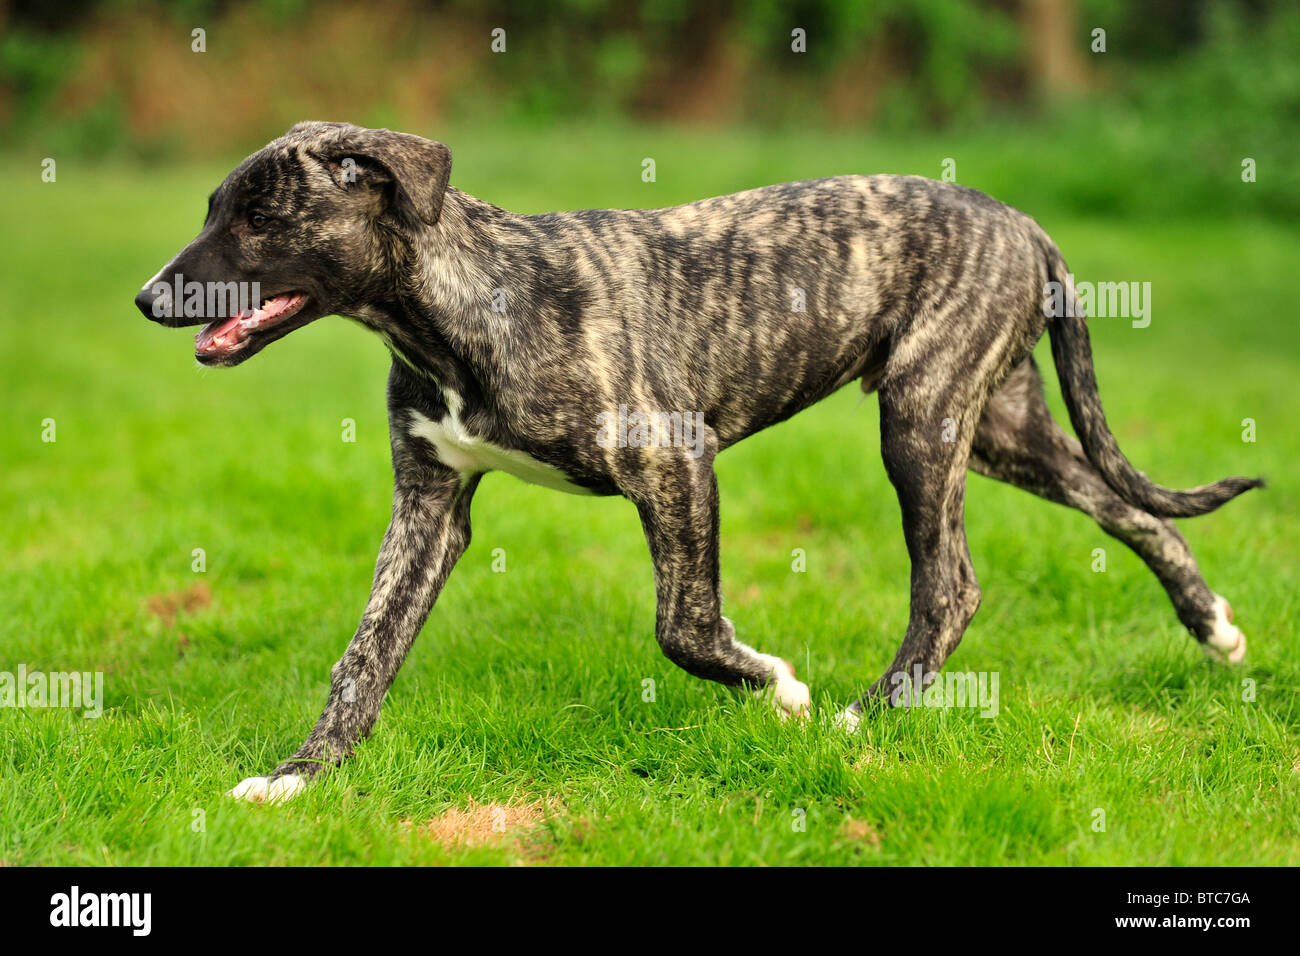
x: 428, y: 533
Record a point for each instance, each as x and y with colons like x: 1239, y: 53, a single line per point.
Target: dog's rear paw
x: 788, y: 695
x: 1226, y: 644
x: 267, y: 790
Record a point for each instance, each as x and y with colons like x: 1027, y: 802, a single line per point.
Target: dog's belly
x: 468, y: 454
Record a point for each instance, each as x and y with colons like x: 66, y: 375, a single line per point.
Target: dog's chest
x: 462, y: 451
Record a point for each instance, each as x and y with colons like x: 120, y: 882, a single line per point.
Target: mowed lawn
x: 519, y: 729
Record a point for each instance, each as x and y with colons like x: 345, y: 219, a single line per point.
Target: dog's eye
x: 256, y: 220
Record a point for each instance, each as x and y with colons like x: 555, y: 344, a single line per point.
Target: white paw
x: 789, y: 696
x: 848, y: 720
x: 1226, y: 644
x: 265, y: 790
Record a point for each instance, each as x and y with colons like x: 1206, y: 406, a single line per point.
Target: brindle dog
x: 515, y: 337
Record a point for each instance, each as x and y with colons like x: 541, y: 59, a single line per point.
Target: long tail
x: 1072, y: 353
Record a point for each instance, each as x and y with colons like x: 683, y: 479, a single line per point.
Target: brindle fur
x: 929, y: 293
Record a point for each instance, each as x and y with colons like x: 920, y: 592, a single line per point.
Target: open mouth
x: 225, y: 337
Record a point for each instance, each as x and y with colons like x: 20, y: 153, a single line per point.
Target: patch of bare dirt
x: 165, y: 607
x: 482, y: 824
x: 860, y: 831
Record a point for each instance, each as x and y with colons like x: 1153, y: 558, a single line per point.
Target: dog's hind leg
x: 925, y: 441
x: 677, y: 497
x: 428, y: 533
x: 1018, y: 441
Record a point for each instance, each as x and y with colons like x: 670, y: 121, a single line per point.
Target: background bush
x: 1182, y: 94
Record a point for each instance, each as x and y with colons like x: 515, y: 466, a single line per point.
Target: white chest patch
x: 469, y: 454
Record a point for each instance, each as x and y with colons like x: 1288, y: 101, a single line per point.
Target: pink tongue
x: 209, y: 333
x: 238, y: 327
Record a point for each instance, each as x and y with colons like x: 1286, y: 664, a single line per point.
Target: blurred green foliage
x: 1185, y: 91
x: 1187, y: 124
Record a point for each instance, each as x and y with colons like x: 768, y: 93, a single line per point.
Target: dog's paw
x: 1226, y: 644
x: 266, y: 790
x: 847, y: 720
x: 788, y: 695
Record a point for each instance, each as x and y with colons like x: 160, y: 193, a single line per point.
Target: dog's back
x: 793, y: 289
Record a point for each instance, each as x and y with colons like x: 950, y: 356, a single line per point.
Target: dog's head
x: 307, y: 226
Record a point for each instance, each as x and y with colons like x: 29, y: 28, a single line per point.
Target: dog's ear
x: 312, y: 126
x: 412, y: 170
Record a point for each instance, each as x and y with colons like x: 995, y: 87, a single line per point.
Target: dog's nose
x: 147, y: 302
x: 144, y: 302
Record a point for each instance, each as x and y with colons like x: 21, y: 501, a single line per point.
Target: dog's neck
x: 472, y: 296
x: 477, y: 307
x: 463, y: 266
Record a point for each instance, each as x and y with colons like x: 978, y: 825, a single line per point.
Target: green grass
x: 526, y: 686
